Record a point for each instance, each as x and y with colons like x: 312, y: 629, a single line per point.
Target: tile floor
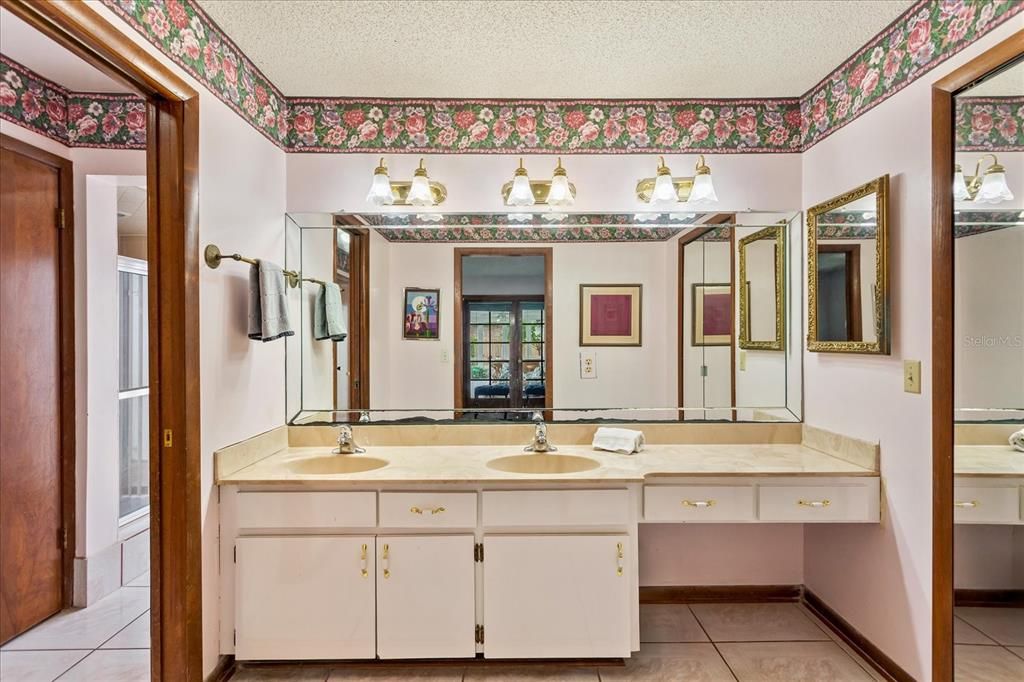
x: 702, y: 642
x: 989, y: 644
x: 107, y: 641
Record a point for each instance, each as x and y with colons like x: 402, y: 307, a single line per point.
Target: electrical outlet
x: 911, y: 376
x: 743, y: 361
x: 588, y: 364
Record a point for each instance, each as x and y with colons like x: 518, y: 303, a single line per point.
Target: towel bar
x: 213, y: 257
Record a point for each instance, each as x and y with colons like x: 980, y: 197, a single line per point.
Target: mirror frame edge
x: 883, y: 343
x: 779, y: 344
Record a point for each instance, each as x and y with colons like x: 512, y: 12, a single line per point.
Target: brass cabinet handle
x: 386, y: 562
x: 618, y: 559
x: 362, y: 562
x: 699, y: 504
x: 433, y: 510
x: 966, y: 505
x: 817, y: 504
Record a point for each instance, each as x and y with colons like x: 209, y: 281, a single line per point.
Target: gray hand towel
x: 268, y: 303
x: 327, y: 317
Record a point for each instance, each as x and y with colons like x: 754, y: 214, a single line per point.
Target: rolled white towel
x: 625, y: 441
x: 1017, y: 440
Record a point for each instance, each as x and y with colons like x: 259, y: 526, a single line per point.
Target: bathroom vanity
x: 432, y: 552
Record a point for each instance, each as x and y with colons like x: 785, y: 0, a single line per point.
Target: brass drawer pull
x: 817, y: 504
x: 966, y: 505
x: 386, y: 561
x: 362, y: 562
x: 699, y: 504
x: 618, y: 560
x: 434, y: 510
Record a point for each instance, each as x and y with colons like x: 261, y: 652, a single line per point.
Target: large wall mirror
x: 847, y: 274
x: 573, y: 316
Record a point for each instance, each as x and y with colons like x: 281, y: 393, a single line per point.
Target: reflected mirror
x: 847, y: 278
x: 762, y: 277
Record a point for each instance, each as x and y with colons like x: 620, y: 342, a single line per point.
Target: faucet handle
x: 346, y: 442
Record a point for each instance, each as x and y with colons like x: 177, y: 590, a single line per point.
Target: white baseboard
x: 106, y: 571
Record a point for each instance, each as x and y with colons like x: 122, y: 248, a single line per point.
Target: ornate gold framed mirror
x: 848, y: 272
x: 762, y: 289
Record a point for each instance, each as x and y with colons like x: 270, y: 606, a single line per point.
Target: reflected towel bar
x: 213, y: 257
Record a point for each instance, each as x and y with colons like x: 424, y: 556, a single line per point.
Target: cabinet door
x: 304, y: 597
x: 426, y: 592
x: 556, y: 596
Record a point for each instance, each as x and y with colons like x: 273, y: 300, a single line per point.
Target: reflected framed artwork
x: 421, y: 314
x: 610, y: 314
x: 712, y: 315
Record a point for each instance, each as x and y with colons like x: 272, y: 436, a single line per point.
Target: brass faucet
x: 347, y: 442
x: 540, y: 436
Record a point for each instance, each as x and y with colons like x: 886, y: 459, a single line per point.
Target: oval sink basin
x: 543, y: 464
x: 335, y: 464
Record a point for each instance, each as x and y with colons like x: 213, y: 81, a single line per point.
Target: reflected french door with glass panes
x: 133, y: 388
x: 505, y: 354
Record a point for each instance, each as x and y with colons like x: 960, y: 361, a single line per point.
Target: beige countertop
x: 468, y: 464
x: 987, y: 460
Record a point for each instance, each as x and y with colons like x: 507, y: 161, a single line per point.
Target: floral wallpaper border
x: 512, y: 233
x: 75, y: 119
x: 972, y: 223
x: 924, y: 36
x: 990, y: 124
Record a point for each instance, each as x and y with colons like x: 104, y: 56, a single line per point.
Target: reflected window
x: 133, y: 389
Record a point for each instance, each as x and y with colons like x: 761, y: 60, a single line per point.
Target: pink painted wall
x: 879, y: 577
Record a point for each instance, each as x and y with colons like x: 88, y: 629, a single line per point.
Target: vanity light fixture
x: 665, y: 190
x: 557, y: 191
x: 987, y: 188
x: 421, y: 191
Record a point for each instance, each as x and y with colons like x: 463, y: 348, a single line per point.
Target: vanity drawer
x: 428, y: 510
x: 699, y: 503
x: 306, y: 509
x: 986, y: 504
x: 824, y: 503
x: 555, y: 507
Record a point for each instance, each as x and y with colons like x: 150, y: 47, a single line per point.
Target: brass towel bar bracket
x: 213, y: 257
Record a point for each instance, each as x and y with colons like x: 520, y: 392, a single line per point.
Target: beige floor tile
x: 1005, y: 626
x: 552, y: 673
x: 757, y: 623
x: 114, y: 665
x: 669, y: 623
x: 392, y: 674
x: 135, y: 635
x: 986, y: 664
x: 37, y: 666
x: 1018, y: 650
x: 85, y: 628
x: 671, y: 663
x: 294, y: 673
x: 965, y: 633
x: 791, y: 662
x: 874, y: 674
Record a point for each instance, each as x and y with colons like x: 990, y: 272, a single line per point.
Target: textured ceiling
x: 546, y: 49
x: 27, y: 46
x: 1006, y: 83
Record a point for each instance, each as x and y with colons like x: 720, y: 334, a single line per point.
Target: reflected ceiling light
x: 430, y: 217
x: 987, y: 188
x: 686, y: 217
x: 646, y: 217
x: 554, y: 217
x: 520, y: 217
x: 421, y: 191
x: 521, y: 191
x: 665, y: 190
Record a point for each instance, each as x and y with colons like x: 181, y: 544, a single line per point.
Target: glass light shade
x: 520, y: 217
x: 664, y: 191
x: 994, y: 189
x: 703, y: 189
x: 380, y: 190
x: 684, y: 217
x: 960, y: 192
x: 554, y: 217
x: 419, y: 193
x: 646, y: 217
x: 430, y: 217
x: 521, y: 193
x: 560, y: 194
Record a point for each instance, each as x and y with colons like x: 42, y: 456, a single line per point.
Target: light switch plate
x: 911, y: 376
x: 588, y: 364
x: 445, y: 357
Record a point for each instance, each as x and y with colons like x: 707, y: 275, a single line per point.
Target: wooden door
x: 34, y: 428
x: 556, y: 596
x: 426, y: 597
x: 304, y: 597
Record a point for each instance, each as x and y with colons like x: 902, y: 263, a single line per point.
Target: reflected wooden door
x: 31, y: 520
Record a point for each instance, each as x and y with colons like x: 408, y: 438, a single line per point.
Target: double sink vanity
x: 462, y: 547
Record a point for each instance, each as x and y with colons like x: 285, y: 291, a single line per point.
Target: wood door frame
x: 549, y: 374
x: 172, y: 169
x: 681, y: 336
x: 359, y: 311
x: 943, y: 272
x: 854, y: 317
x: 66, y: 326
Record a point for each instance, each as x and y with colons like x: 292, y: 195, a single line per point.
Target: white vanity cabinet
x: 557, y: 596
x: 304, y: 597
x: 426, y: 596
